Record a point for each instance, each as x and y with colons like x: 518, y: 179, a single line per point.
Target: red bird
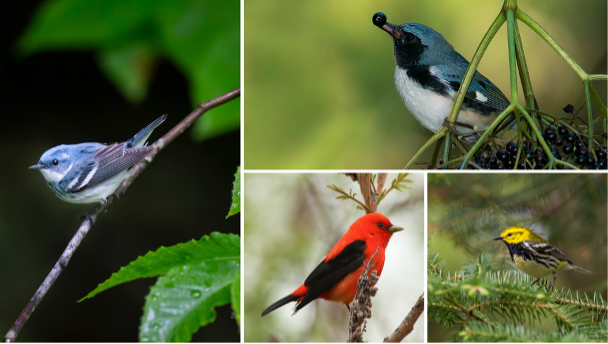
x: 335, y: 278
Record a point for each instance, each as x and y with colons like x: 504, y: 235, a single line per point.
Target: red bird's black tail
x: 282, y: 302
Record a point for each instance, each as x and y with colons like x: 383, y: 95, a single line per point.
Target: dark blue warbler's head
x: 415, y: 43
x: 54, y: 163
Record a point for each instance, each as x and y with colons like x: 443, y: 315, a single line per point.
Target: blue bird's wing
x: 108, y: 162
x: 140, y: 138
x: 482, y: 93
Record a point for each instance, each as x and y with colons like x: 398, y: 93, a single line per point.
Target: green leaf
x: 235, y: 207
x: 130, y: 68
x: 201, y: 37
x: 185, y: 299
x: 235, y: 299
x: 217, y: 246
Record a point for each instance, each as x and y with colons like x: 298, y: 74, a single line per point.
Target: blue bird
x: 90, y: 172
x: 428, y: 74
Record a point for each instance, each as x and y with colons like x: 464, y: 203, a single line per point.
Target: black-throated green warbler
x: 534, y: 256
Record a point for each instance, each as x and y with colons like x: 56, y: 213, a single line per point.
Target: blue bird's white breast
x: 431, y: 108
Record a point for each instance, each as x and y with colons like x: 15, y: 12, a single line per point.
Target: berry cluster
x: 573, y: 147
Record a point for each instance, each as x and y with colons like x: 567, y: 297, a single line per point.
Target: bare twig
x: 361, y: 307
x: 407, y: 325
x: 88, y: 222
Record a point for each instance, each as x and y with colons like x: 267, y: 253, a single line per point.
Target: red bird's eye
x: 380, y: 224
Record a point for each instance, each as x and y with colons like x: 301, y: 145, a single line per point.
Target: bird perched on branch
x: 90, y: 172
x: 428, y: 75
x: 534, y: 256
x: 335, y: 278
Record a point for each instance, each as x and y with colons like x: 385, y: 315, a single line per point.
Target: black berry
x: 502, y: 156
x: 570, y: 138
x: 581, y: 160
x: 559, y: 142
x: 568, y: 148
x: 569, y: 109
x: 379, y: 19
x: 562, y: 131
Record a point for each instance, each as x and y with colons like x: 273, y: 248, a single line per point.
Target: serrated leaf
x: 235, y: 299
x: 160, y: 262
x: 185, y: 299
x: 235, y: 207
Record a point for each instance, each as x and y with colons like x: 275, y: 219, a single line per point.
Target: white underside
x: 431, y: 109
x: 98, y: 193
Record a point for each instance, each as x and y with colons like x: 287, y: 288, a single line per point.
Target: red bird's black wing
x: 330, y: 272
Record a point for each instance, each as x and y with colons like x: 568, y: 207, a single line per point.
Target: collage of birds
x: 257, y: 171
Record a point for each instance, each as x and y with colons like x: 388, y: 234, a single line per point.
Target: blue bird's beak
x: 391, y: 29
x: 36, y: 167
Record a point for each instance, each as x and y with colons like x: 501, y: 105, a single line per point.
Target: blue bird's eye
x: 409, y: 38
x: 380, y: 224
x: 55, y: 162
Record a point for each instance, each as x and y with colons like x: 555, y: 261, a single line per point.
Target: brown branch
x: 361, y: 307
x: 407, y: 325
x: 91, y: 217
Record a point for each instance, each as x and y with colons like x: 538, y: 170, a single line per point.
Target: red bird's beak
x: 394, y: 229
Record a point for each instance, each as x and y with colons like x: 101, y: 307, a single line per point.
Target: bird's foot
x: 451, y: 126
x: 88, y: 216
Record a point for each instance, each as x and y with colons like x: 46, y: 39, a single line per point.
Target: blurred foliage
x: 569, y: 210
x: 201, y: 37
x: 195, y: 277
x: 291, y: 222
x: 482, y: 304
x: 235, y: 206
x: 322, y: 74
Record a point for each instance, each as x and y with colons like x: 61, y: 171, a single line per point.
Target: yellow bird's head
x: 517, y: 234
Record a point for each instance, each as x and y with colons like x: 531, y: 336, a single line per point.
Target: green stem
x: 483, y: 137
x: 481, y: 49
x: 594, y: 77
x: 544, y: 35
x: 512, y: 59
x: 448, y: 145
x: 598, y: 101
x: 536, y: 131
x: 436, y: 152
x: 452, y: 162
x: 438, y: 135
x: 524, y: 75
x: 590, y: 117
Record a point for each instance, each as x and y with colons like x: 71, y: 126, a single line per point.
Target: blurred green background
x: 319, y: 74
x: 291, y: 222
x: 55, y: 90
x: 568, y: 210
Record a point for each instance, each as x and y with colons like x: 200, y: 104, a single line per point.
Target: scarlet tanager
x: 335, y: 278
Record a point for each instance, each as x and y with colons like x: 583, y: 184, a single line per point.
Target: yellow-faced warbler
x: 533, y: 256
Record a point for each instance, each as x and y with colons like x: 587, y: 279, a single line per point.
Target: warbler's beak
x: 394, y: 229
x: 36, y: 167
x: 498, y: 238
x: 391, y: 29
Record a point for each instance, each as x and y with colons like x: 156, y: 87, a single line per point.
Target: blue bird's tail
x: 140, y: 138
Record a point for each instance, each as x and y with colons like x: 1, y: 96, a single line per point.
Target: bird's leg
x: 554, y: 278
x: 88, y: 216
x: 533, y: 283
x: 451, y: 126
